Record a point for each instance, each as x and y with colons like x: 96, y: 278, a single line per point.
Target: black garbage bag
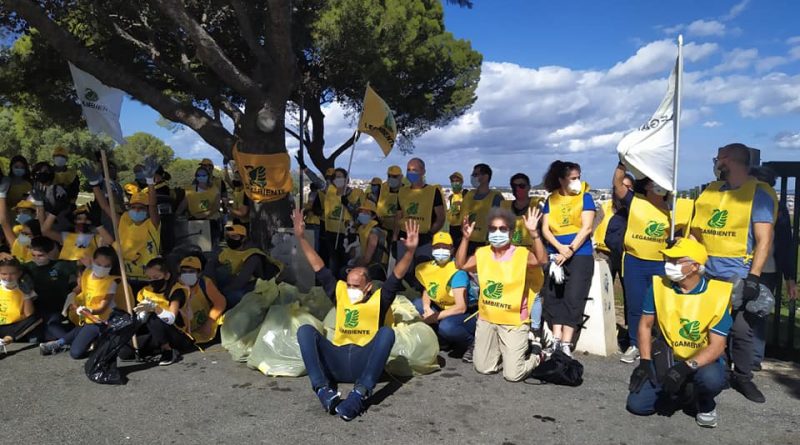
x: 101, y: 366
x: 561, y: 369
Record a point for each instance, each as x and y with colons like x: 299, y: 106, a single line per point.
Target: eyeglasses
x: 519, y: 186
x: 502, y: 229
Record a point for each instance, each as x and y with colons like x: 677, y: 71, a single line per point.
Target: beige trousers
x: 499, y: 346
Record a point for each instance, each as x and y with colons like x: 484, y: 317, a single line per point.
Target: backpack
x: 561, y: 369
x: 101, y: 366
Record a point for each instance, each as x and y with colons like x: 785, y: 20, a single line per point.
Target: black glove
x: 300, y: 163
x: 752, y: 287
x: 675, y: 377
x: 641, y: 374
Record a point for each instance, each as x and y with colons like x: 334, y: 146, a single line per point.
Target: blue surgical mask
x: 18, y: 172
x: 441, y: 255
x: 498, y: 238
x: 24, y: 240
x: 413, y: 177
x: 140, y: 176
x: 202, y: 179
x: 363, y: 218
x: 137, y: 215
x: 22, y: 218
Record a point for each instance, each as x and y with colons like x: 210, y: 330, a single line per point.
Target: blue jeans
x: 328, y: 364
x: 453, y: 329
x: 536, y: 313
x: 80, y: 338
x: 708, y: 383
x: 638, y: 277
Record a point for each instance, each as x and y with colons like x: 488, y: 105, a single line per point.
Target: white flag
x: 650, y: 149
x: 101, y: 104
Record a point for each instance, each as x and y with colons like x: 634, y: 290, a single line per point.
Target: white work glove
x: 556, y: 271
x: 145, y: 306
x: 82, y: 309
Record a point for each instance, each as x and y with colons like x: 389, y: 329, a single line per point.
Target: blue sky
x: 565, y: 80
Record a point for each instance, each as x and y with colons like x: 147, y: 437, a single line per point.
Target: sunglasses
x: 502, y: 229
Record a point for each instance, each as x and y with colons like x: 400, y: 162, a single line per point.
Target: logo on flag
x: 101, y: 104
x: 377, y: 121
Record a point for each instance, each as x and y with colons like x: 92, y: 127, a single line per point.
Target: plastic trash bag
x: 404, y: 310
x: 239, y: 331
x: 316, y: 302
x: 415, y: 350
x: 101, y: 366
x: 276, y: 351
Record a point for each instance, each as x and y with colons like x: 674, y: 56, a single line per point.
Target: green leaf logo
x: 516, y: 237
x: 494, y: 290
x: 391, y: 210
x: 258, y: 175
x: 566, y: 214
x: 90, y: 95
x: 389, y: 122
x: 413, y: 208
x: 472, y: 217
x: 655, y: 229
x: 200, y: 318
x: 350, y: 318
x: 690, y: 330
x: 204, y: 205
x: 455, y: 209
x: 718, y: 219
x: 432, y: 290
x: 337, y: 212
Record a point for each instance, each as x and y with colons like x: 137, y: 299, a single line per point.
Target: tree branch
x: 291, y: 133
x: 212, y: 132
x: 243, y: 15
x: 343, y: 148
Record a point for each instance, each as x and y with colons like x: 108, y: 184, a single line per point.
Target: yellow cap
x: 207, y: 161
x: 687, y: 247
x: 367, y: 205
x: 236, y: 229
x: 60, y: 151
x: 458, y: 176
x: 330, y: 171
x: 139, y: 198
x: 394, y: 170
x: 192, y: 261
x: 24, y: 204
x: 81, y: 209
x: 376, y: 181
x: 442, y: 238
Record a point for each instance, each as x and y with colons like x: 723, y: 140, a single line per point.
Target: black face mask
x: 158, y: 285
x: 44, y: 177
x: 233, y: 243
x: 237, y: 183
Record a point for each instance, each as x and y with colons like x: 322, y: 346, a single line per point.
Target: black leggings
x: 20, y: 329
x: 564, y: 303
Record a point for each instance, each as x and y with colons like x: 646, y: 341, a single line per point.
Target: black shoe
x: 757, y: 368
x: 169, y: 357
x: 748, y: 389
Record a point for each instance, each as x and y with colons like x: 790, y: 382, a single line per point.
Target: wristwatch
x: 693, y: 364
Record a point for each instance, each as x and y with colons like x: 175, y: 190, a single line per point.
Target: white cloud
x: 711, y: 124
x: 702, y: 28
x: 788, y: 140
x: 737, y: 59
x: 793, y: 40
x: 735, y: 10
x: 769, y: 63
x: 659, y: 56
x: 794, y: 53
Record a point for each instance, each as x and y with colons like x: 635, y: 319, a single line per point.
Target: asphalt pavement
x: 208, y: 398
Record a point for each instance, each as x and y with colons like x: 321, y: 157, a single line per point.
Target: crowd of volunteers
x: 503, y: 283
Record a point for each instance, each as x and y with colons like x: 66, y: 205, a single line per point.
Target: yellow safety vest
x: 357, y: 324
x: 336, y: 216
x: 140, y: 244
x: 71, y: 251
x: 477, y: 210
x: 238, y: 201
x: 387, y: 207
x: 161, y: 300
x: 233, y: 259
x: 454, y: 210
x: 20, y: 252
x: 502, y: 286
x: 195, y: 313
x: 363, y: 239
x: 648, y: 227
x: 521, y: 236
x: 93, y: 292
x: 199, y: 202
x: 686, y: 319
x: 723, y: 217
x: 12, y: 304
x: 601, y: 229
x: 417, y: 205
x: 66, y: 177
x: 436, y: 280
x: 565, y: 212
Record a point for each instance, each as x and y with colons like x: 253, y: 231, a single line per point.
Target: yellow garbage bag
x: 276, y: 351
x: 316, y: 302
x: 239, y: 332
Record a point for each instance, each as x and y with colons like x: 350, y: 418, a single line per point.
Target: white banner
x: 650, y: 149
x: 101, y: 104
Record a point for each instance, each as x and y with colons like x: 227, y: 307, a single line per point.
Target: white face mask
x: 498, y: 238
x: 394, y: 182
x: 100, y: 271
x: 355, y: 295
x: 8, y: 284
x: 441, y: 255
x: 473, y: 180
x: 674, y: 272
x: 24, y: 240
x: 339, y: 182
x: 363, y: 218
x: 575, y: 186
x: 189, y: 278
x: 59, y: 161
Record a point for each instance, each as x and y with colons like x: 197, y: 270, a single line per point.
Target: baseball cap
x: 687, y: 247
x: 442, y: 238
x: 394, y: 170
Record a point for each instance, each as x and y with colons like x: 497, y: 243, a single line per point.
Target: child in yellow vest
x: 200, y: 316
x: 90, y: 307
x: 18, y: 237
x: 454, y: 206
x: 82, y: 241
x: 501, y: 332
x: 693, y: 316
x: 363, y: 337
x: 16, y: 304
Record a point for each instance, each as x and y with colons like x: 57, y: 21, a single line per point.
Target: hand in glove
x: 38, y: 194
x: 150, y: 168
x: 676, y: 376
x: 90, y: 173
x: 643, y: 373
x: 82, y: 310
x: 751, y: 287
x: 5, y: 184
x: 145, y: 306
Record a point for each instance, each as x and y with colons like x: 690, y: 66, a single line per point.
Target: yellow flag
x: 377, y: 121
x: 266, y: 177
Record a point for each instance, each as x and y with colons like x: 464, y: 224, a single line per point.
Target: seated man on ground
x: 363, y: 338
x: 693, y: 316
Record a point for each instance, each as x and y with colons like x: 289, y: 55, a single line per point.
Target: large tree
x: 202, y: 63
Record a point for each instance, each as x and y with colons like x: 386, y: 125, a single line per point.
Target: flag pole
x: 302, y: 131
x: 677, y: 129
x: 349, y: 165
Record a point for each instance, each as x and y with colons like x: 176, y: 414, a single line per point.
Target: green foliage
x: 140, y: 145
x: 182, y: 172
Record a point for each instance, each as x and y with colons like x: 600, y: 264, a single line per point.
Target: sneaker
x: 707, y: 420
x: 169, y: 357
x: 535, y: 343
x: 51, y: 347
x: 748, y: 389
x: 566, y: 348
x: 555, y: 346
x: 329, y: 399
x: 630, y: 355
x: 468, y: 354
x: 352, y: 406
x: 3, y: 346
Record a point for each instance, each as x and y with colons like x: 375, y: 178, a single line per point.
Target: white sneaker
x: 3, y: 346
x: 630, y: 355
x: 707, y: 420
x: 566, y: 349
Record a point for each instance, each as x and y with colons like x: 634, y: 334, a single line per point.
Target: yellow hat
x: 192, y: 261
x: 81, y: 209
x: 24, y: 204
x: 394, y: 170
x: 236, y: 229
x: 442, y: 238
x: 60, y: 151
x: 367, y: 205
x: 687, y: 247
x: 139, y: 198
x: 457, y: 175
x: 330, y: 171
x: 206, y: 161
x: 376, y: 181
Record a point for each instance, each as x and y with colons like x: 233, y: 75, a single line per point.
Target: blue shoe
x: 352, y: 406
x: 329, y: 399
